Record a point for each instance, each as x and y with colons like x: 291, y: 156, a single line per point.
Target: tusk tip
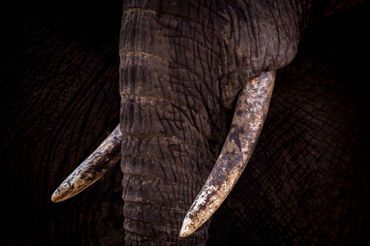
x: 187, y: 227
x: 56, y: 197
x: 61, y: 194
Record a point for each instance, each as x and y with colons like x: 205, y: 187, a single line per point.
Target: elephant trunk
x: 165, y: 153
x: 160, y: 177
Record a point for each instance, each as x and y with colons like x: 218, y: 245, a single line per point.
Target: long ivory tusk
x: 92, y: 169
x: 249, y: 116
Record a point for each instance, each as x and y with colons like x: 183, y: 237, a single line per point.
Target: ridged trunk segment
x: 167, y: 148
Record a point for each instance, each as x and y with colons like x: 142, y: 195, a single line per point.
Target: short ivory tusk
x: 249, y: 116
x: 92, y: 169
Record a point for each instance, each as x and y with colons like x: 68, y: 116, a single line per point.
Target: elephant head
x: 196, y: 78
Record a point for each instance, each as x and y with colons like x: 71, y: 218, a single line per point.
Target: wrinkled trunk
x: 167, y: 148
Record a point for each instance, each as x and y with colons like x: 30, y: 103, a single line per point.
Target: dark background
x: 54, y: 53
x: 58, y: 98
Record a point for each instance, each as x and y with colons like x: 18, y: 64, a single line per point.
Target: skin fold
x: 178, y: 80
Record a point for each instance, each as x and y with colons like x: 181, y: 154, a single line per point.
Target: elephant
x: 182, y: 67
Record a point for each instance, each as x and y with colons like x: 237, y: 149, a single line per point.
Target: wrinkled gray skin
x: 180, y: 73
x: 182, y: 65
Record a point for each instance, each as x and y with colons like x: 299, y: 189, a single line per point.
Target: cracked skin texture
x: 307, y: 182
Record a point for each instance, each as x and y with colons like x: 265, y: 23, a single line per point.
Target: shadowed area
x: 59, y: 99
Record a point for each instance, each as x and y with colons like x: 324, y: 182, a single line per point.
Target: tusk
x: 92, y: 169
x: 249, y: 116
